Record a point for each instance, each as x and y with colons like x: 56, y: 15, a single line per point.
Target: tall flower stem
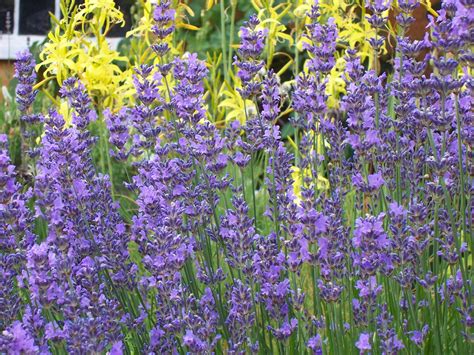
x: 225, y: 59
x: 461, y: 169
x: 233, y: 4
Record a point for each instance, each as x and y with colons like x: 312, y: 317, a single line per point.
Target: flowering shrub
x: 213, y: 248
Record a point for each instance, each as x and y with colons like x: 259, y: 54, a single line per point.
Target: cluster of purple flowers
x: 222, y: 253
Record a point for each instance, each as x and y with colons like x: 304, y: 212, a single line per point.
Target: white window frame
x: 12, y: 43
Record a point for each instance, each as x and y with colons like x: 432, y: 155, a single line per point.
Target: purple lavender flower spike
x: 389, y: 342
x: 238, y: 232
x: 315, y: 344
x: 187, y: 99
x: 163, y: 16
x: 77, y: 96
x: 418, y: 337
x: 16, y: 225
x: 323, y: 42
x: 363, y: 344
x: 270, y: 97
x: 241, y: 316
x: 86, y: 238
x: 25, y: 96
x: 16, y: 340
x: 373, y: 244
x: 26, y: 75
x: 248, y: 60
x: 118, y: 126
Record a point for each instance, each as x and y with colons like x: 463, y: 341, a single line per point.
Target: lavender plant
x: 233, y: 244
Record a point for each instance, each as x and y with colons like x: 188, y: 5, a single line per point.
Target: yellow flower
x: 77, y: 46
x: 336, y: 84
x: 298, y: 177
x: 104, y: 12
x: 58, y: 56
x: 145, y: 23
x: 236, y: 107
x: 64, y: 111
